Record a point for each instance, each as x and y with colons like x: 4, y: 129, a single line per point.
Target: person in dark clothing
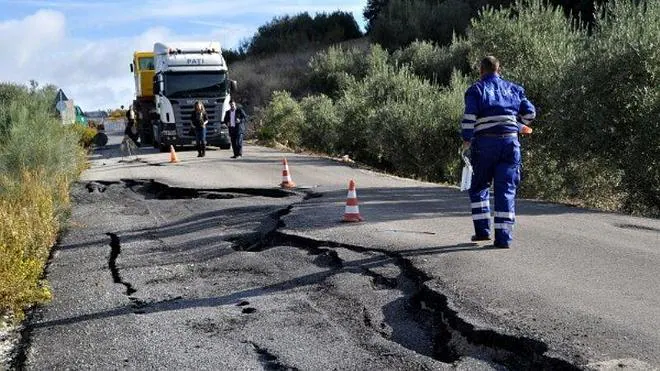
x: 198, y: 120
x: 131, y: 130
x: 235, y: 120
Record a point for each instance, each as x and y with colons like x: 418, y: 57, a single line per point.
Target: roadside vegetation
x: 39, y: 158
x: 594, y: 77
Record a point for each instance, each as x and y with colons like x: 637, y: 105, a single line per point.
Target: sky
x: 85, y: 46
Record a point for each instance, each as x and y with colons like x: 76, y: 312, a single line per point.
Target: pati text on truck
x: 187, y: 72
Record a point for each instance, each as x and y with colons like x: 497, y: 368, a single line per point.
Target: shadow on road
x: 409, y: 203
x: 376, y: 205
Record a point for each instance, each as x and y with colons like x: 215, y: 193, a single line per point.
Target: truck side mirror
x: 131, y: 65
x: 233, y: 86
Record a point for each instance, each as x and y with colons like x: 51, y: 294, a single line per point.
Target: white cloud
x: 24, y: 40
x: 95, y: 72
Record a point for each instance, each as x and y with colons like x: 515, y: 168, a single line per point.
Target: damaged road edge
x: 152, y: 189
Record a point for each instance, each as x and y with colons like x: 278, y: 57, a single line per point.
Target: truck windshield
x: 195, y: 84
x: 146, y: 63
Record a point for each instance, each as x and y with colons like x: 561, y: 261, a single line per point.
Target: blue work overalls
x: 494, y: 110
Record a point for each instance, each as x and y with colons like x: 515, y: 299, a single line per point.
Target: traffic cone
x: 286, y: 176
x: 173, y: 158
x: 352, y: 211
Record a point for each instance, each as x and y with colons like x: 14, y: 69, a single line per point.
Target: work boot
x: 476, y: 238
x: 499, y: 245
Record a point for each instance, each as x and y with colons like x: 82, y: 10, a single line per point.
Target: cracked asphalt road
x: 210, y: 266
x: 172, y: 288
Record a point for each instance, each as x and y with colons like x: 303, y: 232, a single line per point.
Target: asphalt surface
x: 207, y: 264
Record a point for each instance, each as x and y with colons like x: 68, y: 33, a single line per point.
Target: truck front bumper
x: 214, y: 137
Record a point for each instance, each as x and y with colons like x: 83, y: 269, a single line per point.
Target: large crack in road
x: 449, y: 336
x: 115, y: 250
x: 278, y: 296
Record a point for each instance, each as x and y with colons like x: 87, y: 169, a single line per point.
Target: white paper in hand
x: 466, y: 176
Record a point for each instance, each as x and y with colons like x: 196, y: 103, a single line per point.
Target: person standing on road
x: 131, y: 130
x: 198, y: 120
x: 235, y: 121
x: 494, y: 111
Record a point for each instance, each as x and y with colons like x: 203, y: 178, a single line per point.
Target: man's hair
x: 490, y: 64
x: 232, y: 101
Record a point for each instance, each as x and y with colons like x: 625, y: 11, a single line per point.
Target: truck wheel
x: 225, y: 146
x: 163, y: 148
x: 100, y: 139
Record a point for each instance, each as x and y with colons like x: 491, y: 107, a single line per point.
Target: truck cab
x: 143, y: 73
x: 187, y: 72
x: 143, y: 69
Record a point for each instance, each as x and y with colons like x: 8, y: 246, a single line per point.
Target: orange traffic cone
x: 286, y: 176
x: 352, y: 211
x: 173, y: 158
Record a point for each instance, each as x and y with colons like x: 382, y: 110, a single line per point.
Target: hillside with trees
x: 593, y: 72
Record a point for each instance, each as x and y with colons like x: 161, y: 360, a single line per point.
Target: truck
x: 187, y: 72
x: 144, y: 104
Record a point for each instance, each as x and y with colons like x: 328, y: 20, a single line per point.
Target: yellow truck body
x: 143, y: 74
x: 143, y: 71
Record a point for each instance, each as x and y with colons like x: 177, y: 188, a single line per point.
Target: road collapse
x: 421, y: 319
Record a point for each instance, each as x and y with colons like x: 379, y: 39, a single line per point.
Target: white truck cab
x: 187, y: 72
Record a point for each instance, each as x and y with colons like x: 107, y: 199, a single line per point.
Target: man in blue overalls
x: 494, y: 111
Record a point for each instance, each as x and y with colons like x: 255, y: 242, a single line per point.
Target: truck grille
x: 183, y: 110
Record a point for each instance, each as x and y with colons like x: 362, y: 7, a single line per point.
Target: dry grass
x: 39, y: 158
x: 29, y: 228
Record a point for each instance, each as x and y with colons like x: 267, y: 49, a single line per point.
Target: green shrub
x: 611, y: 105
x: 283, y: 119
x: 85, y: 134
x: 402, y: 22
x: 535, y: 43
x: 334, y: 69
x: 9, y: 95
x: 38, y: 140
x: 433, y: 62
x: 396, y: 121
x: 320, y: 130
